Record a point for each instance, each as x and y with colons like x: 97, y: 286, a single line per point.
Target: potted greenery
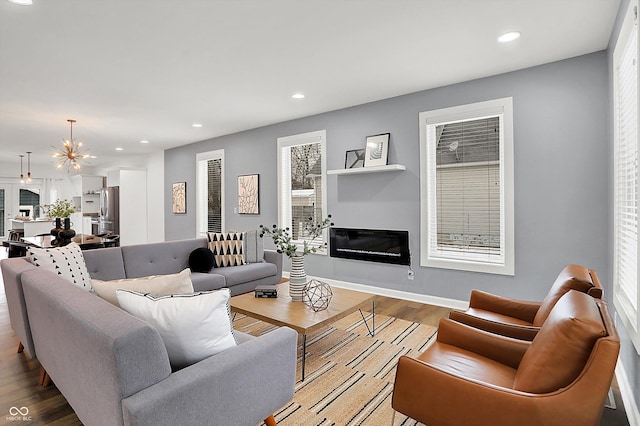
x: 284, y: 244
x: 61, y: 209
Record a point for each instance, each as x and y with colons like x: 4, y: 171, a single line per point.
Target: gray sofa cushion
x: 105, y: 264
x: 203, y: 281
x: 163, y: 258
x: 241, y: 274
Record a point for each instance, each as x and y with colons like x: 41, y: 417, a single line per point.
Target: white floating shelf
x: 370, y: 169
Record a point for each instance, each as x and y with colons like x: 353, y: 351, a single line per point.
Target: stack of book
x: 266, y: 291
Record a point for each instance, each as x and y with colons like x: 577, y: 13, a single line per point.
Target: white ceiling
x: 131, y: 70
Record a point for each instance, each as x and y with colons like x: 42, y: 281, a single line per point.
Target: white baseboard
x: 396, y: 294
x: 630, y: 407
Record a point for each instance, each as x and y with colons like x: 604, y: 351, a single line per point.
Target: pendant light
x: 21, y: 174
x: 28, y: 166
x: 71, y: 152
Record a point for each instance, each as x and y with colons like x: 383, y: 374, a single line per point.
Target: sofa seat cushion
x: 192, y: 326
x: 242, y: 274
x: 563, y: 345
x: 463, y: 363
x: 159, y: 285
x: 206, y: 281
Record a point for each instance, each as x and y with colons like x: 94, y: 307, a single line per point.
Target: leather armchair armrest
x: 506, y: 350
x: 516, y: 331
x: 521, y: 309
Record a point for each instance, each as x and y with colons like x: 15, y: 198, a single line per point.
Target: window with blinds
x: 214, y: 195
x: 210, y: 192
x: 301, y: 183
x: 625, y: 273
x: 467, y: 219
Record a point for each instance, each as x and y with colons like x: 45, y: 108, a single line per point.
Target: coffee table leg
x: 304, y: 353
x: 372, y: 330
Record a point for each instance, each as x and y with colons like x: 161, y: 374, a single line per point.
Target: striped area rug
x: 349, y: 374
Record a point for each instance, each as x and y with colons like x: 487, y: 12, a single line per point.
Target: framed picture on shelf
x: 377, y: 150
x: 249, y: 194
x: 354, y: 159
x: 179, y: 197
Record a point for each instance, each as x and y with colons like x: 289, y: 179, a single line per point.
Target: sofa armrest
x: 241, y: 385
x: 12, y: 270
x: 521, y: 309
x: 505, y: 350
x: 273, y: 256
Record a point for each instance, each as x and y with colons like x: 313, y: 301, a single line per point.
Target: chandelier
x: 71, y: 152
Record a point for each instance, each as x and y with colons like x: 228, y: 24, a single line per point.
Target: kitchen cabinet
x: 87, y: 201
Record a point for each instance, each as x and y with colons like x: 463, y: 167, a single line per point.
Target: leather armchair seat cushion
x: 561, y: 349
x: 460, y: 362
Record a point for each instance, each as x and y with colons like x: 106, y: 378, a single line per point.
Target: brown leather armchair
x: 472, y: 377
x: 522, y: 319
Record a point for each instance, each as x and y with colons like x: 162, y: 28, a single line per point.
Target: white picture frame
x: 377, y: 150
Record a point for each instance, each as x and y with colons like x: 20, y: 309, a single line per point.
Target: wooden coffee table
x: 282, y: 311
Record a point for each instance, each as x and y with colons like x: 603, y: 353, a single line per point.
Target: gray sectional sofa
x: 114, y: 369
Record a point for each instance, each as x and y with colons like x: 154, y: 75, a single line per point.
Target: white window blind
x: 626, y: 175
x: 467, y: 187
x: 302, y: 194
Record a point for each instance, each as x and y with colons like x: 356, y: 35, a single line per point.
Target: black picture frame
x: 354, y: 159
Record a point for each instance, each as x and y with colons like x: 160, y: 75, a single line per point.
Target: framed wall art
x: 179, y: 197
x: 377, y: 150
x: 354, y: 159
x: 249, y: 194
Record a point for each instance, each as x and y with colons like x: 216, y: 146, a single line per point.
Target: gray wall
x: 561, y: 181
x: 628, y: 356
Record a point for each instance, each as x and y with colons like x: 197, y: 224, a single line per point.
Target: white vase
x: 297, y: 278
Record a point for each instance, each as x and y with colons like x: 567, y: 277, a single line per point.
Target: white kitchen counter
x: 33, y: 227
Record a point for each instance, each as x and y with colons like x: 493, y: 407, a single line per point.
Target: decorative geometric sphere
x: 317, y: 295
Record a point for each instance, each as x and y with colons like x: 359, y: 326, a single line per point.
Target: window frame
x: 319, y: 136
x: 202, y: 189
x: 504, y: 108
x: 629, y: 315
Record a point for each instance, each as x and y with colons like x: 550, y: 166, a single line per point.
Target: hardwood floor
x: 19, y: 373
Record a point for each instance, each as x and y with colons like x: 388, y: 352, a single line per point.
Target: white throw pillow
x: 67, y: 261
x: 160, y: 285
x: 193, y: 327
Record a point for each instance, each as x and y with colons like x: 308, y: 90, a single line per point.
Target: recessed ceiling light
x: 92, y: 156
x: 144, y: 141
x: 297, y: 96
x: 507, y: 37
x: 119, y: 149
x: 22, y: 2
x: 197, y: 125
